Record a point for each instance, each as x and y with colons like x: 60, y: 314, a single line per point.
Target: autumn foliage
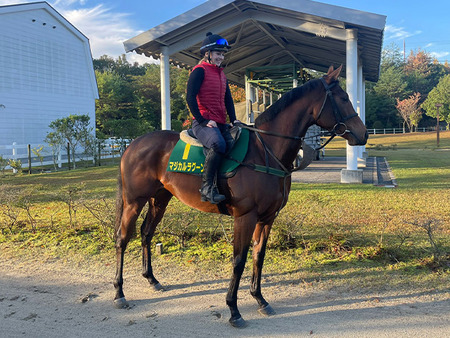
x: 410, y: 111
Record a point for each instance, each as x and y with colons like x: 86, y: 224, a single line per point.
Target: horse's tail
x: 119, y: 204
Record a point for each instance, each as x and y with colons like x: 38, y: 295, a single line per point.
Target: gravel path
x: 53, y: 299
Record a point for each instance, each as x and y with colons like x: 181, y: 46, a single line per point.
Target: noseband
x: 340, y: 120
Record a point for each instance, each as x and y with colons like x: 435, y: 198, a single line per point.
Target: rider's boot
x: 208, y: 191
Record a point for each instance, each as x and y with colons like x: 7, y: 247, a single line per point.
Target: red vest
x: 211, y: 96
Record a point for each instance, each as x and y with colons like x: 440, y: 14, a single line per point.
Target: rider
x: 209, y: 99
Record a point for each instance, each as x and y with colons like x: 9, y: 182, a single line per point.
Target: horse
x: 253, y: 198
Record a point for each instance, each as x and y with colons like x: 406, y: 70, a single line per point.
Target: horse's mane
x: 285, y: 101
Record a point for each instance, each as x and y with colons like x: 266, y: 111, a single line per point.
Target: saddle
x: 188, y: 157
x: 189, y: 137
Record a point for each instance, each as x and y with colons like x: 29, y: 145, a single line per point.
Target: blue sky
x: 107, y: 23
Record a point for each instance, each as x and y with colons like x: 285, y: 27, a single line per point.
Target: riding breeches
x: 219, y: 139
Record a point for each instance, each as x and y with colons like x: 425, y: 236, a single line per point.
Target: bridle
x: 286, y: 172
x: 340, y: 120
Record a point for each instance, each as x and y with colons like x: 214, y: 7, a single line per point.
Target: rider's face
x: 217, y: 57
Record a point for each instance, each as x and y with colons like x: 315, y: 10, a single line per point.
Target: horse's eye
x: 345, y: 99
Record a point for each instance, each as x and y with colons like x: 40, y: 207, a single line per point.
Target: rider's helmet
x: 214, y: 42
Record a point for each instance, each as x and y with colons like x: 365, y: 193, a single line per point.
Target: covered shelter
x: 268, y: 33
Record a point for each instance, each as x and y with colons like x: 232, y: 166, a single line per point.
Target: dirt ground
x: 54, y: 299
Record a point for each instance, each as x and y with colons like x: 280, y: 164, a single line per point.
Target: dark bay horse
x: 252, y: 198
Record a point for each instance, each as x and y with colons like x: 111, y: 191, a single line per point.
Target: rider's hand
x: 211, y: 124
x: 236, y: 122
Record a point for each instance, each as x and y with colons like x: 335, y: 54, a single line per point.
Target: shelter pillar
x: 248, y: 101
x: 352, y: 174
x: 165, y: 89
x: 362, y: 154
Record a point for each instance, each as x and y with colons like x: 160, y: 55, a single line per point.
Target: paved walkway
x: 328, y: 170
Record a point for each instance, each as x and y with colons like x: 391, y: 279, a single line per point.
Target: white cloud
x: 439, y: 55
x: 105, y: 28
x: 398, y: 33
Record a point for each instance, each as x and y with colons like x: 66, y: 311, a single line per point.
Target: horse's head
x: 336, y: 113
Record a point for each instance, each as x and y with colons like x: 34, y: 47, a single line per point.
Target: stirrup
x: 211, y: 196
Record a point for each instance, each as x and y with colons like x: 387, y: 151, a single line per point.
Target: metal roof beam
x: 277, y: 41
x: 319, y: 29
x: 255, y: 58
x: 200, y: 34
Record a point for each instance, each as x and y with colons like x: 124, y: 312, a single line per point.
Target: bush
x: 16, y: 165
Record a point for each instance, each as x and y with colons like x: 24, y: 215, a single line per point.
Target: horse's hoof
x: 158, y: 287
x: 121, y: 303
x: 238, y: 322
x: 266, y: 310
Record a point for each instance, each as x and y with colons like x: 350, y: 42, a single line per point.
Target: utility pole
x: 438, y: 105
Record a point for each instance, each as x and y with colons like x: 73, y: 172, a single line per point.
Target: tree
x: 410, y: 111
x: 3, y: 164
x: 439, y: 94
x: 128, y: 128
x: 148, y: 97
x: 121, y: 66
x: 116, y: 99
x: 381, y: 96
x: 423, y: 72
x: 72, y: 132
x: 178, y: 82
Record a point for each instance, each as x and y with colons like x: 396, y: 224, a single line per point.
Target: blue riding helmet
x: 214, y: 42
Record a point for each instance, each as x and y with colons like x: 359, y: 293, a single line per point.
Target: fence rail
x: 110, y: 149
x: 401, y: 130
x: 55, y: 157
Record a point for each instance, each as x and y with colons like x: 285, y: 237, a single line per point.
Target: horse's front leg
x: 243, y: 230
x: 157, y: 207
x: 260, y: 237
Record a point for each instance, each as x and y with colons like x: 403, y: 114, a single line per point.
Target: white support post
x: 59, y: 157
x: 165, y: 89
x: 248, y: 101
x: 363, y: 155
x: 359, y: 110
x: 14, y: 154
x: 352, y: 174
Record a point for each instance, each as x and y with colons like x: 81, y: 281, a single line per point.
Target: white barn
x: 46, y: 72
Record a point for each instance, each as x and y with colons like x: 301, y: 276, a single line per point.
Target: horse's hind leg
x: 128, y: 215
x: 157, y: 207
x: 260, y: 237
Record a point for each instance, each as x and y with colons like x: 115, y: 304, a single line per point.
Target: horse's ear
x: 333, y: 74
x: 338, y: 71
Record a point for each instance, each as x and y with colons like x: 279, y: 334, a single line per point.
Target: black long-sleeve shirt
x: 193, y: 87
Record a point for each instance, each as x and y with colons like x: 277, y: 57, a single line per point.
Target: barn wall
x: 45, y: 74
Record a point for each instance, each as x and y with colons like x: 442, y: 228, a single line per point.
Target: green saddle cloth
x: 189, y: 159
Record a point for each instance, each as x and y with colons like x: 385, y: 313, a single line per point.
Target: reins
x: 285, y: 172
x: 340, y: 122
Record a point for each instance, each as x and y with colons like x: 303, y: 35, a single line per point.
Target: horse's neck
x: 293, y: 121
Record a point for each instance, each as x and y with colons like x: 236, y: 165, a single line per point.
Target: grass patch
x: 349, y: 235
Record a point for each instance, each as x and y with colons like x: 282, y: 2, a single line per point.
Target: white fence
x: 56, y: 157
x: 400, y: 130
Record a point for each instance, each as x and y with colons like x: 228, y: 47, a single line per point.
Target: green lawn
x: 327, y: 231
